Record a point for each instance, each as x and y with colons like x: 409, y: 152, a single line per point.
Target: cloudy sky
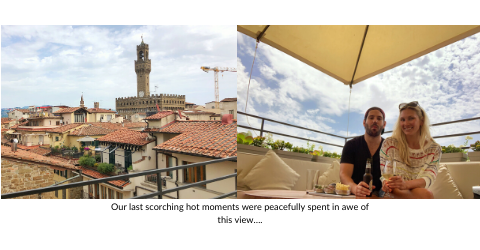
x: 53, y: 65
x: 445, y: 82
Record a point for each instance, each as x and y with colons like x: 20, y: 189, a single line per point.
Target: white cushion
x: 444, y: 187
x: 332, y: 175
x: 271, y: 172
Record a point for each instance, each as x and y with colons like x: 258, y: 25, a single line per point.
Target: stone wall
x: 76, y: 192
x: 19, y: 176
x: 132, y: 105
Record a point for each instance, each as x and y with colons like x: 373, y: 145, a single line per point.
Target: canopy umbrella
x: 354, y: 53
x: 86, y: 139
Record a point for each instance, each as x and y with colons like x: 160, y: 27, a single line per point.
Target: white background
x: 389, y: 224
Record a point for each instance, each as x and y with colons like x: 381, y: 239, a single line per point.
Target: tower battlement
x: 144, y: 101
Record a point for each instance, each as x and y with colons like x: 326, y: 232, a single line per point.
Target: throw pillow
x: 271, y: 172
x: 332, y: 175
x: 444, y: 187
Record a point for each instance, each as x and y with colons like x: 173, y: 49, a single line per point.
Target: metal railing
x: 262, y: 130
x: 158, y: 172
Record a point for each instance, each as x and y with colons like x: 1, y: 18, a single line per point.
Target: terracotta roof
x: 6, y: 120
x: 96, y: 175
x: 127, y: 136
x: 189, y: 103
x: 20, y: 124
x: 159, y: 115
x: 229, y: 100
x: 65, y: 128
x: 69, y: 110
x: 40, y: 151
x: 91, y: 130
x: 107, y: 125
x: 203, y: 138
x: 100, y: 110
x: 69, y: 161
x: 5, y: 129
x: 135, y: 124
x: 33, y: 157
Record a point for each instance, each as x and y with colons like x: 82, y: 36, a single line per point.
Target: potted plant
x: 325, y: 157
x: 452, y: 154
x: 475, y: 155
x: 247, y: 144
x: 105, y: 168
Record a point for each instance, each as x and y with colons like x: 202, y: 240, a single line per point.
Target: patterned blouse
x: 423, y: 164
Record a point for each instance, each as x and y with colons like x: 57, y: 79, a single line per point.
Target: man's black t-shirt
x: 356, y: 152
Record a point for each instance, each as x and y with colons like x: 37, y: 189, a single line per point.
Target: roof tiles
x: 127, y: 136
x: 66, y: 110
x: 203, y: 138
x: 97, y: 175
x: 33, y: 157
x: 229, y: 100
x: 65, y: 128
x: 159, y: 115
x: 91, y: 130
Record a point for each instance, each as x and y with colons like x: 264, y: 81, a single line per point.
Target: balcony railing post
x: 159, y: 185
x: 261, y: 128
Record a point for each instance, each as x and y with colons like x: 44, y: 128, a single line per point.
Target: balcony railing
x: 157, y: 172
x: 262, y: 130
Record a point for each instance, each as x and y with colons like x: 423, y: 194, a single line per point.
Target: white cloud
x: 62, y: 61
x: 445, y: 82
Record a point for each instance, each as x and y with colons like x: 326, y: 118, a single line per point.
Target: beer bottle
x: 367, y: 177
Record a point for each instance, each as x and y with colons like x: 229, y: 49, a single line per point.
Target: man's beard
x: 369, y: 131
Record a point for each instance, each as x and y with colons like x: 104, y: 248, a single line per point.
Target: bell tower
x: 143, y: 68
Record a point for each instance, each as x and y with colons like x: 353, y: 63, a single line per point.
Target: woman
x: 416, y: 154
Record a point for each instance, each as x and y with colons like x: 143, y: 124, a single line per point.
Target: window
x: 56, y: 138
x: 90, y: 191
x: 128, y: 159
x: 230, y: 112
x: 97, y: 191
x: 58, y: 123
x: 194, y: 174
x: 110, y: 194
x: 104, y: 192
x: 119, y: 195
x: 111, y: 158
x: 169, y: 165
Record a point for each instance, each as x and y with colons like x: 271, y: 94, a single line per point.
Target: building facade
x: 144, y: 101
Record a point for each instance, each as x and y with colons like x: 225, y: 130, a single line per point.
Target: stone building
x: 26, y: 170
x: 144, y: 101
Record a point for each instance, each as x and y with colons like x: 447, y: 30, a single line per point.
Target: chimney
x: 96, y: 105
x: 227, y: 119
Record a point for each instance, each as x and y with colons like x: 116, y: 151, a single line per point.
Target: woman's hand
x: 397, y: 182
x: 385, y: 187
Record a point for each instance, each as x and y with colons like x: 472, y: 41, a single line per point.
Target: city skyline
x: 53, y: 65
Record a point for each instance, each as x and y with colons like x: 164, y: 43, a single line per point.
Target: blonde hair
x: 402, y: 140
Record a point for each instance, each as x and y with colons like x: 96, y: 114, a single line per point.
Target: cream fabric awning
x: 335, y: 49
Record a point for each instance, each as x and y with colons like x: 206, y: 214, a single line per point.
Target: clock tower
x: 143, y: 68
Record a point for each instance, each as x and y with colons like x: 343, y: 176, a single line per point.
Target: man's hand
x: 362, y: 189
x: 397, y: 182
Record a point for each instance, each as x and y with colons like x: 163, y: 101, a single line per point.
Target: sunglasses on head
x: 410, y: 104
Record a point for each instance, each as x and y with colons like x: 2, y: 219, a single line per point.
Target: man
x: 357, y: 150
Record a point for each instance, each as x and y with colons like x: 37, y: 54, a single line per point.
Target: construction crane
x: 216, y: 70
